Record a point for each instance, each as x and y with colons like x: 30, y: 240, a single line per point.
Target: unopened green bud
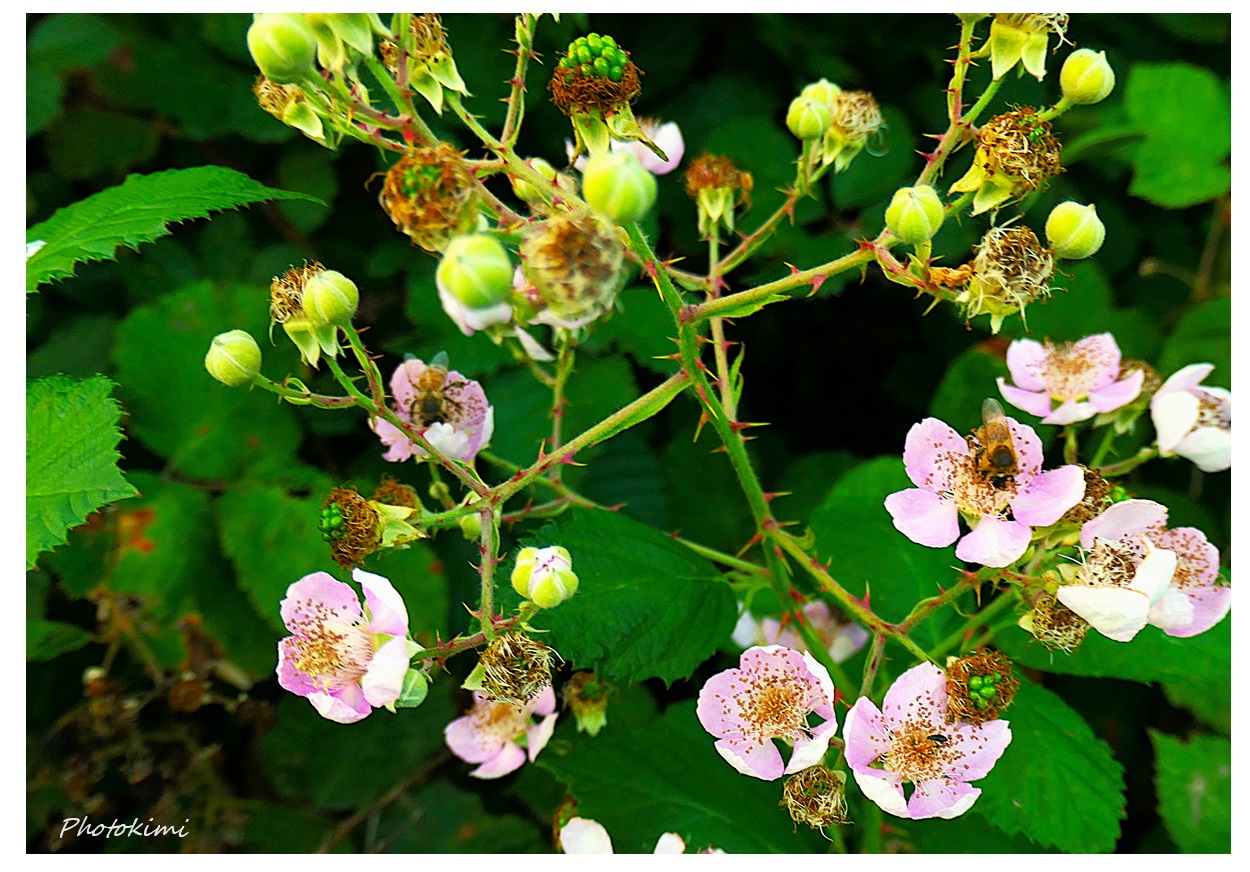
x: 470, y: 527
x: 808, y: 117
x: 915, y: 214
x: 1086, y: 77
x: 283, y: 46
x: 527, y: 191
x: 233, y: 358
x: 1075, y: 231
x: 331, y: 298
x: 476, y: 270
x: 617, y: 185
x: 544, y: 576
x: 823, y: 91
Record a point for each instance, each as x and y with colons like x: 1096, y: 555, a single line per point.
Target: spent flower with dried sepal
x: 312, y: 335
x: 1010, y: 270
x: 575, y: 263
x: 1016, y: 154
x: 718, y: 188
x: 431, y: 195
x: 431, y: 69
x: 816, y: 797
x: 1023, y: 37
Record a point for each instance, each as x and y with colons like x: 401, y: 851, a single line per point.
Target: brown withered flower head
x: 286, y: 292
x: 1055, y: 625
x: 431, y: 195
x: 1097, y: 499
x: 515, y: 668
x: 275, y: 98
x: 350, y: 525
x: 1016, y: 155
x: 393, y: 493
x: 575, y: 262
x: 979, y: 686
x: 1011, y: 270
x: 816, y: 796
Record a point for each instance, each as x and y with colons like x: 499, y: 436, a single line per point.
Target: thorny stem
x: 487, y: 547
x: 526, y: 24
x: 564, y: 368
x: 719, y: 348
x: 955, y: 95
x: 872, y: 664
x: 1004, y: 601
x: 446, y: 650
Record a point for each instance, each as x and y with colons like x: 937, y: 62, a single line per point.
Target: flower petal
x: 941, y: 798
x: 924, y: 517
x: 469, y: 743
x: 670, y: 843
x: 883, y: 791
x: 994, y: 542
x: 1209, y: 448
x: 1118, y: 393
x: 345, y: 706
x: 1045, y: 498
x: 1124, y: 520
x: 1174, y: 416
x: 510, y: 759
x: 1026, y: 360
x: 387, y: 612
x: 399, y: 446
x: 1035, y: 403
x: 1028, y: 449
x: 917, y: 694
x: 289, y: 677
x: 819, y: 680
x: 1172, y: 611
x: 1185, y: 378
x: 864, y: 732
x: 319, y: 597
x: 539, y: 735
x: 1210, y: 605
x: 1197, y: 560
x: 404, y: 382
x: 584, y: 836
x: 384, y: 679
x: 1118, y: 613
x: 1154, y: 573
x: 979, y: 747
x: 1070, y: 412
x: 545, y: 702
x: 809, y: 752
x: 931, y: 453
x: 759, y: 760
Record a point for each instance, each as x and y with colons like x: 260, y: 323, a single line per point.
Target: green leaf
x: 1202, y: 336
x: 345, y: 766
x: 708, y: 506
x: 202, y: 427
x: 665, y: 776
x: 808, y: 480
x: 646, y: 606
x: 1174, y: 177
x: 969, y: 379
x: 48, y: 639
x: 71, y: 457
x: 1057, y: 782
x: 135, y: 212
x: 855, y: 532
x: 273, y: 829
x: 44, y: 91
x: 626, y: 472
x: 1194, y: 784
x: 66, y: 42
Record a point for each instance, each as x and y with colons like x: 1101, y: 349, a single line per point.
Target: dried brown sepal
x: 430, y: 194
x: 361, y: 525
x: 392, y: 493
x: 576, y: 94
x: 816, y: 796
x: 979, y: 686
x: 1020, y: 146
x: 515, y: 668
x: 275, y: 98
x: 1055, y: 625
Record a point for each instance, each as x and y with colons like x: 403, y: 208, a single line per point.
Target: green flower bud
x: 823, y: 91
x: 544, y: 576
x: 331, y: 298
x: 915, y: 214
x: 808, y: 117
x: 1086, y: 77
x: 1075, y: 231
x: 617, y: 185
x: 476, y: 270
x: 470, y: 527
x: 524, y: 189
x: 233, y: 358
x: 283, y: 46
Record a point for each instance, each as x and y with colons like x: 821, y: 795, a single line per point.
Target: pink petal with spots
x: 932, y: 450
x: 469, y: 743
x: 384, y: 679
x: 1118, y: 613
x: 1208, y: 448
x: 1028, y: 448
x: 345, y: 706
x: 319, y: 597
x: 979, y: 747
x: 924, y: 517
x: 1124, y: 520
x: 583, y: 836
x: 539, y: 735
x: 1034, y: 402
x: 1174, y: 416
x: 1102, y: 357
x: 1196, y: 558
x: 994, y: 542
x: 941, y: 798
x: 1070, y: 412
x: 1185, y: 378
x: 510, y: 759
x: 1026, y: 360
x: 761, y: 761
x: 545, y: 702
x: 717, y: 711
x: 1118, y: 393
x: 387, y: 612
x: 865, y: 733
x: 919, y: 694
x: 289, y: 677
x: 1210, y: 605
x: 1046, y: 497
x: 809, y: 752
x: 404, y: 382
x: 399, y: 446
x: 883, y: 791
x: 1172, y: 611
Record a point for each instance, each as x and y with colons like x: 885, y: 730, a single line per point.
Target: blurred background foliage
x: 176, y: 591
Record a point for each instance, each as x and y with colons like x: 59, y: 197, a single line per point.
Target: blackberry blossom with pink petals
x: 770, y: 697
x: 467, y: 420
x: 490, y: 732
x: 1083, y: 377
x: 1193, y: 421
x: 842, y: 637
x: 346, y: 661
x: 948, y: 484
x: 908, y: 740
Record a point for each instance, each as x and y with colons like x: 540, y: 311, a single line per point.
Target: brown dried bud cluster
x: 1011, y: 270
x: 816, y: 796
x: 575, y: 262
x: 1055, y: 625
x: 286, y: 292
x: 1097, y: 499
x: 576, y: 94
x: 351, y: 526
x: 392, y: 493
x: 1019, y: 147
x: 979, y: 686
x: 711, y: 172
x: 275, y: 98
x: 856, y: 116
x: 515, y: 668
x: 430, y: 195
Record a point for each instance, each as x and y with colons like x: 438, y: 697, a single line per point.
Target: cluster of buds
x: 841, y: 121
x: 311, y: 303
x: 430, y: 195
x: 1016, y: 154
x: 718, y: 187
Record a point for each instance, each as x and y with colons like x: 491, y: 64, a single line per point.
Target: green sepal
x: 415, y: 689
x: 624, y: 126
x: 474, y: 681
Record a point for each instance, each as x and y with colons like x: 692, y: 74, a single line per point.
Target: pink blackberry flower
x: 908, y: 740
x: 345, y: 661
x: 1193, y: 421
x: 769, y: 697
x: 488, y: 734
x: 1138, y: 572
x: 1003, y: 509
x: 1082, y: 377
x: 450, y: 409
x: 842, y: 638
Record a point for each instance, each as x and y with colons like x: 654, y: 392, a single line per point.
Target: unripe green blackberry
x: 616, y: 184
x: 283, y: 46
x: 233, y: 358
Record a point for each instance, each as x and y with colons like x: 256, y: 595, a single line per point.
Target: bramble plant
x: 855, y: 673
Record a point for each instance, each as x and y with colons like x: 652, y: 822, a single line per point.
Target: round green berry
x: 601, y: 67
x: 616, y: 73
x: 583, y: 54
x: 989, y: 692
x: 595, y: 41
x: 607, y: 40
x: 975, y: 682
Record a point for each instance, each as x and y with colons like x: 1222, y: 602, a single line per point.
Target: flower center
x: 917, y: 752
x: 331, y: 653
x: 973, y: 490
x: 1214, y: 412
x: 776, y: 706
x: 1111, y: 563
x: 499, y: 721
x: 1072, y: 370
